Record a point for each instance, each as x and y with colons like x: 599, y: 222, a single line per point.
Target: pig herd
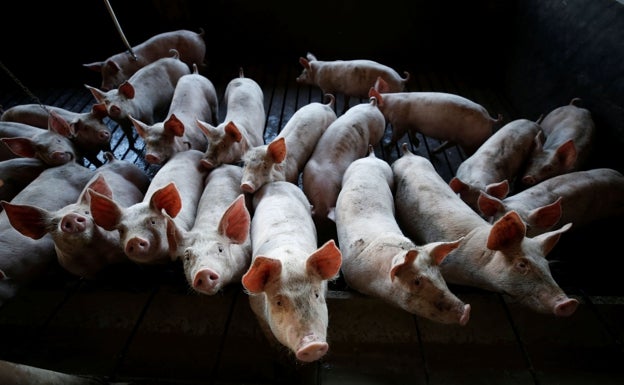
x: 234, y: 209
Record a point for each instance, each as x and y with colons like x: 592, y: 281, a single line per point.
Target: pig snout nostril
x: 247, y: 188
x: 566, y: 307
x: 312, y: 352
x: 206, y: 280
x: 104, y: 136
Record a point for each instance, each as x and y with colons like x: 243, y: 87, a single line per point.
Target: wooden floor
x: 143, y: 325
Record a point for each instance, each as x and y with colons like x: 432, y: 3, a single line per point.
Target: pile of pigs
x: 232, y: 209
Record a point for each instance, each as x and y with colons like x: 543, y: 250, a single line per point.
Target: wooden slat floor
x: 143, y: 325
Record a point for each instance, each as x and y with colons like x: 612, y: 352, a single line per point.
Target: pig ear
x: 507, y: 231
x: 567, y: 154
x: 440, y: 250
x: 99, y: 95
x: 489, y: 205
x: 310, y: 56
x: 167, y: 198
x: 29, y: 220
x: 401, y: 260
x: 127, y: 90
x: 175, y: 235
x: 21, y: 147
x: 277, y: 150
x: 305, y: 63
x: 236, y: 221
x: 209, y: 130
x: 325, y: 261
x: 105, y: 212
x: 96, y: 66
x: 112, y: 66
x: 547, y: 216
x: 498, y: 190
x: 549, y: 240
x: 140, y: 127
x: 381, y: 85
x: 373, y: 93
x: 174, y: 126
x: 233, y: 131
x: 99, y: 111
x: 59, y: 125
x: 539, y: 141
x: 99, y: 185
x: 457, y: 185
x: 262, y: 270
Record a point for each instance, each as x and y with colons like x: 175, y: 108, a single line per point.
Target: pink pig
x: 570, y: 133
x: 216, y: 251
x: 287, y: 280
x: 578, y: 197
x: 439, y: 115
x: 174, y: 191
x: 120, y: 67
x: 497, y: 162
x: 194, y: 98
x: 352, y: 78
x: 285, y: 157
x: 378, y: 260
x: 496, y: 257
x: 243, y: 125
x: 82, y: 247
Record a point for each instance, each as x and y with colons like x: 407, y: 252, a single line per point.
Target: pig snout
x: 114, y: 112
x: 137, y: 247
x: 60, y: 157
x: 73, y: 223
x: 248, y: 187
x: 205, y: 281
x: 311, y: 349
x: 528, y: 180
x: 104, y: 136
x: 565, y: 307
x: 152, y: 159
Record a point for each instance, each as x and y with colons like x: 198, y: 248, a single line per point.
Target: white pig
x: 176, y: 189
x: 439, y: 115
x: 496, y: 257
x: 243, y: 125
x: 378, y: 260
x: 146, y: 96
x: 569, y: 132
x: 82, y: 247
x: 578, y: 197
x: 194, y: 98
x: 287, y: 279
x: 287, y: 154
x: 352, y: 78
x: 344, y: 141
x: 497, y: 162
x: 120, y: 67
x: 217, y: 250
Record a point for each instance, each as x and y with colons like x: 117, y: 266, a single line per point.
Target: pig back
x: 244, y: 103
x: 16, y: 174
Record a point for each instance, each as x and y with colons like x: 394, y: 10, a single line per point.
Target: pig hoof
x: 312, y: 351
x: 566, y: 308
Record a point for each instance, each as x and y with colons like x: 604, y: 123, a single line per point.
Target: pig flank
x: 448, y: 117
x: 194, y: 98
x: 496, y: 164
x: 22, y: 259
x: 287, y: 279
x: 242, y: 127
x: 176, y: 189
x: 217, y: 250
x: 496, y: 257
x: 121, y: 66
x: 578, y: 197
x: 17, y: 173
x: 285, y: 157
x: 344, y: 141
x: 569, y: 133
x: 378, y: 260
x: 83, y: 248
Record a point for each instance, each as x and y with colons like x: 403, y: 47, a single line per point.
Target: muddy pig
x: 287, y: 280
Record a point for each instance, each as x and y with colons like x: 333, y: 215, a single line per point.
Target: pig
x: 451, y: 118
x: 287, y: 154
x: 17, y: 173
x: 496, y: 163
x: 145, y: 96
x: 22, y: 259
x: 175, y: 189
x: 378, y: 260
x: 569, y: 133
x: 578, y: 197
x: 120, y: 67
x: 352, y: 78
x: 83, y: 248
x: 217, y: 250
x: 194, y: 98
x: 53, y: 146
x: 20, y: 374
x: 498, y: 257
x: 243, y: 125
x: 345, y: 140
x: 287, y: 279
x: 90, y: 133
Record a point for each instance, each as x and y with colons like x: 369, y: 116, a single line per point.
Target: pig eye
x: 220, y: 248
x: 416, y: 281
x: 522, y: 266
